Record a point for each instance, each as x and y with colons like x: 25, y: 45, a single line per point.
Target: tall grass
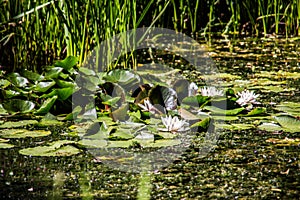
x: 34, y: 33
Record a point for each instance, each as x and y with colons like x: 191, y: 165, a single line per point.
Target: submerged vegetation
x: 35, y: 33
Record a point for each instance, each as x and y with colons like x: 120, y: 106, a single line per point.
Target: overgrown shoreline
x: 34, y: 34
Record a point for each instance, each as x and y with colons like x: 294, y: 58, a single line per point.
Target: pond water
x: 246, y: 163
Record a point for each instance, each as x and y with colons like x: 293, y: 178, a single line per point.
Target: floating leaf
x: 22, y: 133
x: 87, y: 72
x: 203, y: 124
x: 93, y: 143
x: 242, y: 126
x: 163, y: 143
x: 111, y: 101
x: 216, y: 110
x: 121, y: 76
x: 2, y: 110
x: 67, y: 63
x: 269, y: 127
x: 64, y: 93
x: 272, y: 88
x: 225, y: 118
x: 124, y: 134
x: 18, y: 124
x: 54, y: 72
x: 4, y: 83
x: 49, y: 122
x: 18, y: 105
x: 120, y: 113
x: 57, y: 148
x: 291, y: 108
x: 75, y: 112
x: 11, y: 93
x: 235, y: 126
x: 196, y: 101
x: 289, y: 122
x: 256, y: 111
x: 120, y: 144
x: 64, y: 84
x: 224, y: 126
x: 17, y: 80
x: 185, y: 114
x: 4, y: 145
x: 44, y: 86
x: 32, y: 75
x: 46, y: 106
x: 224, y: 76
x: 166, y: 135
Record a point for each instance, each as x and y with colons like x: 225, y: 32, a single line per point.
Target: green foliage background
x: 34, y: 33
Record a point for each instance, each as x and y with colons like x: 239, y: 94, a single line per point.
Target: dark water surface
x: 243, y: 165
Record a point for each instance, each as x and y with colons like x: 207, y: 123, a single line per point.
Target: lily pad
x: 22, y: 133
x: 64, y: 93
x: 46, y: 106
x: 163, y: 143
x: 144, y: 138
x: 256, y: 111
x: 269, y: 127
x: 216, y: 110
x: 54, y: 72
x: 17, y: 80
x: 57, y: 148
x: 166, y: 135
x: 67, y: 63
x: 242, y: 126
x: 22, y: 123
x: 4, y: 83
x: 272, y: 88
x: 225, y: 118
x: 120, y: 144
x: 64, y: 84
x: 18, y: 105
x: 203, y: 123
x: 122, y: 76
x: 4, y: 145
x: 288, y: 122
x: 87, y: 72
x: 32, y: 75
x: 93, y: 143
x: 49, y: 122
x: 223, y: 76
x: 2, y: 110
x: 122, y: 134
x: 44, y: 86
x: 197, y: 101
x: 291, y: 108
x: 235, y: 126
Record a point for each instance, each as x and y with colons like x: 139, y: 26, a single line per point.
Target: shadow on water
x: 245, y: 163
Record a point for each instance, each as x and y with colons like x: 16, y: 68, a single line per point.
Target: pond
x: 250, y: 159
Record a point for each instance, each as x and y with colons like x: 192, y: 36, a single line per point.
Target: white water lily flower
x: 148, y: 107
x: 173, y: 124
x: 211, y: 91
x: 247, y: 97
x: 192, y: 89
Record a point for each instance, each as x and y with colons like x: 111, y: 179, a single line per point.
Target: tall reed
x: 34, y: 33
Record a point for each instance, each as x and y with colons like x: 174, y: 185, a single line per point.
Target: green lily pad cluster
x: 131, y: 110
x: 128, y: 109
x: 30, y: 92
